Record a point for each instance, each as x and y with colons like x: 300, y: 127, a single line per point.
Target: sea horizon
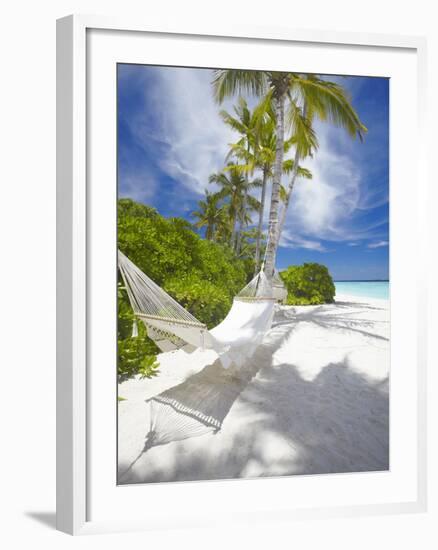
x: 377, y: 288
x: 361, y: 280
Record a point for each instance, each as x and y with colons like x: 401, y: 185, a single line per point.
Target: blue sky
x: 171, y: 138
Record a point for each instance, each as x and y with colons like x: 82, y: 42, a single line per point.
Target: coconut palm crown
x: 308, y: 97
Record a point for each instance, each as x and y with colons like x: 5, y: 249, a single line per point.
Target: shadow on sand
x: 337, y: 422
x: 200, y: 404
x: 327, y: 317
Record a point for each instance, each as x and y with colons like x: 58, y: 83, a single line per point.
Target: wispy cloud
x: 326, y: 207
x: 378, y: 244
x: 295, y: 241
x: 193, y: 139
x: 180, y: 124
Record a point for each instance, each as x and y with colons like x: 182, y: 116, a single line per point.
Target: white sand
x: 314, y: 399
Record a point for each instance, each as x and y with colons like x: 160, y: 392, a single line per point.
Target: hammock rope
x: 172, y: 327
x: 174, y: 415
x: 147, y: 298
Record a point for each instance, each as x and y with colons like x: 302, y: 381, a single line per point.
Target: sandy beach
x: 313, y: 399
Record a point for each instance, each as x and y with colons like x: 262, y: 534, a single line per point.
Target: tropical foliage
x: 203, y: 276
x: 134, y: 355
x: 293, y: 101
x: 306, y: 284
x: 210, y: 215
x: 273, y: 140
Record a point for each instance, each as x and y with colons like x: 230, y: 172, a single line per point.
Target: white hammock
x: 279, y: 291
x: 172, y: 327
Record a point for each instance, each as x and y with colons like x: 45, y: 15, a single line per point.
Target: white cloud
x: 194, y: 142
x: 194, y: 138
x: 139, y: 186
x: 294, y: 241
x: 326, y: 207
x: 378, y: 244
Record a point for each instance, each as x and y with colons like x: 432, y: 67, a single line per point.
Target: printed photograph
x: 253, y: 274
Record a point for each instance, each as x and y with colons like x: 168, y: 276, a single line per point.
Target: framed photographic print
x: 240, y: 329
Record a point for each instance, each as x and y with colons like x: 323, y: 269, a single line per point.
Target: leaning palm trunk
x: 291, y: 184
x: 241, y: 223
x: 239, y: 237
x: 239, y: 232
x: 271, y: 247
x: 288, y: 196
x: 262, y: 210
x: 233, y: 237
x: 233, y: 232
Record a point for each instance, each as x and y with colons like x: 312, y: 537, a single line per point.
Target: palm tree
x: 247, y: 124
x: 223, y: 229
x: 232, y: 185
x: 306, y: 144
x: 235, y: 187
x: 299, y: 172
x: 209, y: 214
x: 262, y: 157
x: 324, y: 100
x: 247, y: 249
x: 249, y: 204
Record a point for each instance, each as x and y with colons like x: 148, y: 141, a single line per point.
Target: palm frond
x: 303, y: 135
x: 233, y: 122
x: 229, y: 82
x: 288, y: 166
x: 329, y: 101
x: 253, y: 203
x: 283, y: 194
x: 304, y: 173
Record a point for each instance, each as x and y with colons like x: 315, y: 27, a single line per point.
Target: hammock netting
x: 235, y: 340
x: 172, y: 327
x: 147, y: 298
x: 259, y: 288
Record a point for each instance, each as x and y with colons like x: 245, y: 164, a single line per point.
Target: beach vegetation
x: 308, y: 284
x: 201, y: 274
x: 204, y: 262
x: 294, y: 101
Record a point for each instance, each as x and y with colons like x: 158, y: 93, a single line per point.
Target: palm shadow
x: 201, y: 403
x: 337, y: 422
x: 357, y: 305
x: 212, y: 391
x: 348, y: 321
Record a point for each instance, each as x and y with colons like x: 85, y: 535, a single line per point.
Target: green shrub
x: 208, y: 302
x: 134, y: 355
x: 306, y: 284
x: 203, y: 276
x: 134, y: 358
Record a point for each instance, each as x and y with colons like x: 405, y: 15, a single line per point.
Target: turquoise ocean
x: 364, y: 289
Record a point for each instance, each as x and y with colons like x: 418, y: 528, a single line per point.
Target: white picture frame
x: 75, y: 215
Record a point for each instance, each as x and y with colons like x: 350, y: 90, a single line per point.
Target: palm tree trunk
x: 239, y: 231
x: 240, y: 222
x: 262, y: 209
x: 271, y: 247
x: 209, y: 232
x: 239, y: 237
x: 291, y: 185
x: 233, y: 233
x: 288, y: 196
